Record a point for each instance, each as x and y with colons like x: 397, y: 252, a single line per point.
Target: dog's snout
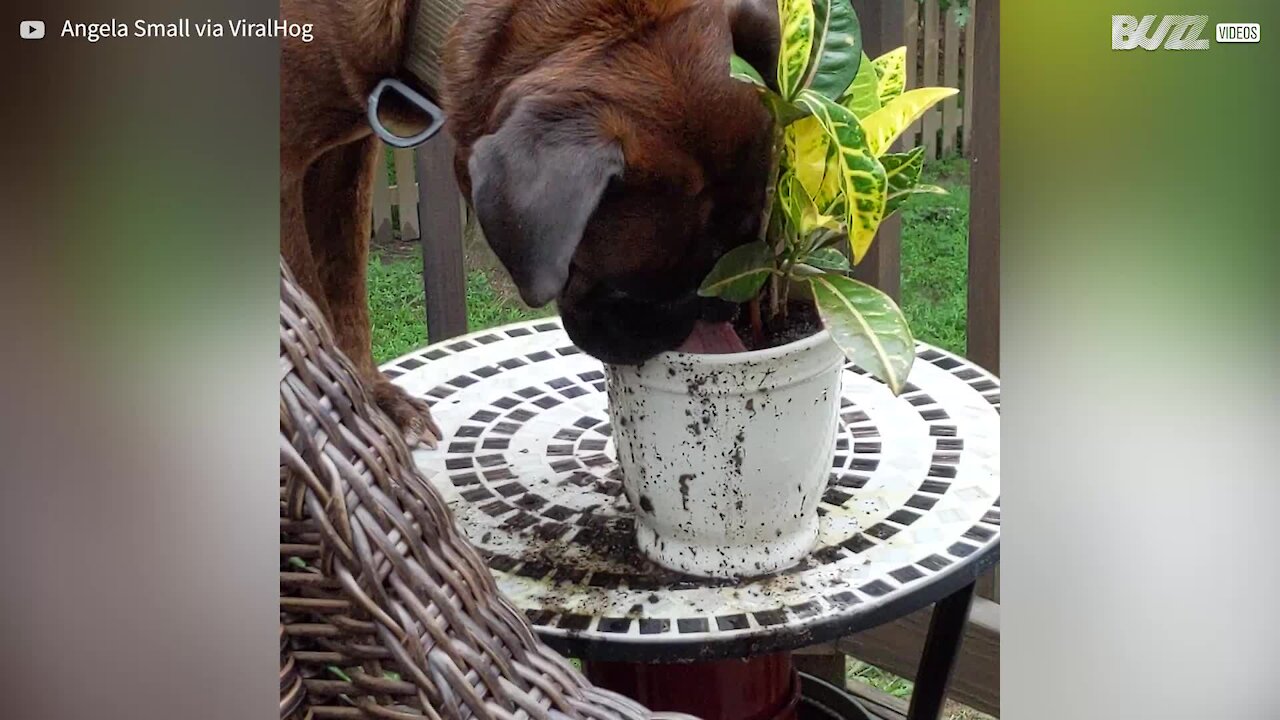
x: 617, y: 328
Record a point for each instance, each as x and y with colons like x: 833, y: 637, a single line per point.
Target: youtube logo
x: 31, y: 29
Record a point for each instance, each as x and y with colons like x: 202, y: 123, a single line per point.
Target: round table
x: 911, y: 515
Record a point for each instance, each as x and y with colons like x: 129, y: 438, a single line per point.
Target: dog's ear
x: 535, y: 184
x: 754, y: 24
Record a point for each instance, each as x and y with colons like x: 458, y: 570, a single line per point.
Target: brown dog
x: 609, y: 156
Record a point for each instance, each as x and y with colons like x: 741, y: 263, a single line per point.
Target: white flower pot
x: 725, y: 457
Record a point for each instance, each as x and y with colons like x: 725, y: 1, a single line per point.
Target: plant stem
x: 775, y: 165
x: 757, y: 325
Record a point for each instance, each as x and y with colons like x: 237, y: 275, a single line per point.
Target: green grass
x: 934, y: 270
x: 396, y: 306
x: 935, y: 258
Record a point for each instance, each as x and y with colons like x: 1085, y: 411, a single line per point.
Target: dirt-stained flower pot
x: 725, y: 457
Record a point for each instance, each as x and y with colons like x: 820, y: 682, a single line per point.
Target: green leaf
x: 797, y: 19
x: 739, y: 274
x: 863, y: 97
x: 742, y: 70
x: 859, y: 175
x: 891, y: 74
x: 828, y: 259
x: 902, y: 170
x: 868, y: 327
x: 886, y: 124
x: 837, y: 48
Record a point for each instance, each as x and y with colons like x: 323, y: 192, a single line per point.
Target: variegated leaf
x: 742, y: 70
x: 868, y: 327
x: 740, y: 273
x: 886, y: 124
x: 891, y: 74
x: 863, y: 97
x: 860, y: 176
x: 902, y: 171
x: 806, y: 147
x: 896, y: 200
x: 837, y: 48
x: 930, y: 189
x: 797, y: 19
x: 828, y: 258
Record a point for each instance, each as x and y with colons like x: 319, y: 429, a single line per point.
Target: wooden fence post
x: 444, y: 278
x: 381, y: 198
x: 911, y: 19
x: 950, y: 78
x: 932, y: 120
x: 407, y: 194
x: 984, y: 210
x: 969, y: 46
x: 882, y: 30
x: 984, y: 194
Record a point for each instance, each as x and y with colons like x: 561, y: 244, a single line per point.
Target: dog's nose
x: 628, y: 333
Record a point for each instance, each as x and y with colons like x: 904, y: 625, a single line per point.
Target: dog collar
x: 430, y: 23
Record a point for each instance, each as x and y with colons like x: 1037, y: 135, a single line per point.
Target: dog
x: 607, y: 154
x: 610, y: 158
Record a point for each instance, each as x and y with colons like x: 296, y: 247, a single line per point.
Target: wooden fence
x: 938, y: 43
x: 940, y: 52
x: 937, y: 54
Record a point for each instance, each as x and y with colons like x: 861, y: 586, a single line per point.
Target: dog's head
x: 609, y: 157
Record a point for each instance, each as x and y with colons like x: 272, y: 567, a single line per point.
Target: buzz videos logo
x: 1175, y: 32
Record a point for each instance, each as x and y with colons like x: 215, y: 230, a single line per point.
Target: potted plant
x: 725, y: 456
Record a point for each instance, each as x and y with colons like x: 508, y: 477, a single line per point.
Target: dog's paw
x: 412, y: 415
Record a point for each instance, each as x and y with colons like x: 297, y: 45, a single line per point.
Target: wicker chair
x: 386, y: 611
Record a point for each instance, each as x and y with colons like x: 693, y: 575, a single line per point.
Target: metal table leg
x: 941, y: 649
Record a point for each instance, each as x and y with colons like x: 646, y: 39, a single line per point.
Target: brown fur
x: 327, y: 159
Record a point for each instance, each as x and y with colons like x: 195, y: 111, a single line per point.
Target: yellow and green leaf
x: 837, y: 48
x: 868, y: 327
x: 886, y: 124
x: 857, y: 173
x: 806, y: 148
x: 891, y: 74
x: 797, y: 20
x: 863, y: 97
x: 902, y: 171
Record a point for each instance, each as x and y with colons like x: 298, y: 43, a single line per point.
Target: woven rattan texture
x: 387, y: 612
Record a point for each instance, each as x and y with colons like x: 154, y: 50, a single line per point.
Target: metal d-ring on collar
x: 432, y: 110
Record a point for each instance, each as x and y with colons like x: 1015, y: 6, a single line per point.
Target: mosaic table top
x: 911, y: 512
